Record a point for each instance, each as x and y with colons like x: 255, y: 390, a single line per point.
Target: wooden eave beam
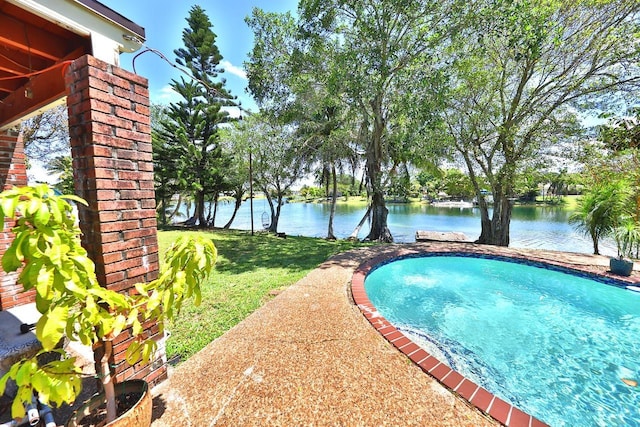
x: 43, y: 90
x: 31, y: 39
x: 9, y: 85
x: 17, y: 63
x: 46, y: 88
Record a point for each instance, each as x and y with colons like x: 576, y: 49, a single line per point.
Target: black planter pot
x: 620, y: 266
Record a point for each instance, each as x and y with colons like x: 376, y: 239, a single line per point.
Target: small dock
x: 441, y: 236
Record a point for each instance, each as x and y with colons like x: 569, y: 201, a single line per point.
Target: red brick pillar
x: 13, y: 171
x: 110, y: 132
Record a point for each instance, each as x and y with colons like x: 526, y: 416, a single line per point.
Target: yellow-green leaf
x: 148, y: 349
x: 17, y: 409
x: 8, y: 205
x: 74, y: 198
x: 3, y: 383
x: 33, y: 207
x: 10, y: 262
x: 50, y: 327
x: 44, y: 282
x: 133, y: 353
x: 119, y: 324
x: 42, y: 215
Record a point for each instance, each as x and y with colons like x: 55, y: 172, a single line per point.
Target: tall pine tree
x: 191, y: 130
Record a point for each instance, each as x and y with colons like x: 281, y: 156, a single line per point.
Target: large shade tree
x: 377, y: 44
x: 46, y: 135
x: 362, y: 54
x: 191, y: 131
x: 519, y: 77
x: 278, y: 159
x: 290, y: 79
x: 165, y: 165
x: 236, y: 141
x: 279, y: 163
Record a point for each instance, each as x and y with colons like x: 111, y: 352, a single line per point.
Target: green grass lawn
x: 247, y: 269
x: 571, y: 202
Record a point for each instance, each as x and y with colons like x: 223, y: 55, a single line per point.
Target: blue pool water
x: 553, y: 344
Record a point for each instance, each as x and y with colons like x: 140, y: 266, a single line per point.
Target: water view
x: 531, y: 227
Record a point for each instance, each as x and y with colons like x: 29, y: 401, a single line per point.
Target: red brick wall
x: 13, y: 171
x: 110, y: 132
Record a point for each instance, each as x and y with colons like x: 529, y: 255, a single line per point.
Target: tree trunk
x: 334, y: 199
x: 177, y: 208
x: 325, y: 181
x: 215, y: 209
x: 188, y: 207
x: 275, y: 212
x: 209, y: 217
x: 485, y: 221
x: 596, y: 248
x: 200, y: 211
x: 356, y: 231
x: 162, y: 206
x: 276, y: 218
x: 379, y: 230
x: 496, y: 230
x: 107, y: 380
x: 238, y: 199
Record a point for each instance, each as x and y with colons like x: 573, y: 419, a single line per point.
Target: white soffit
x: 107, y: 37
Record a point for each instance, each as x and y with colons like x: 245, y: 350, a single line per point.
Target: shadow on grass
x: 240, y: 252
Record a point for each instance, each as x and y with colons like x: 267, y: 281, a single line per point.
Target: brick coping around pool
x: 479, y: 397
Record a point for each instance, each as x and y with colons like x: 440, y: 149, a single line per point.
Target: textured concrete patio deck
x: 309, y: 357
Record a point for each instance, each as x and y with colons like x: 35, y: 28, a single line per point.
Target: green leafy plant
x: 627, y: 237
x: 72, y: 303
x: 600, y: 208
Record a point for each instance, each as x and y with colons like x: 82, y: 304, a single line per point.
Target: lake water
x: 531, y: 227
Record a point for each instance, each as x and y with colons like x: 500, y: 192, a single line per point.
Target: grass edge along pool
x: 430, y: 360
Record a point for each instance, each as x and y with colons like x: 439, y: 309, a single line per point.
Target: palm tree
x: 600, y: 209
x: 627, y: 237
x: 63, y: 166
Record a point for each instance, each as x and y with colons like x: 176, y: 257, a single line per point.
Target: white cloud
x: 233, y: 112
x: 37, y: 173
x: 166, y: 95
x: 232, y: 69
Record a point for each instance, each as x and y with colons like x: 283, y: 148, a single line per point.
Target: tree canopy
x: 496, y: 87
x: 189, y: 134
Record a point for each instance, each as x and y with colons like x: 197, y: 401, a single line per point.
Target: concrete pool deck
x: 310, y: 357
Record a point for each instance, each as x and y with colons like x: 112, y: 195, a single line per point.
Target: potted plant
x: 600, y: 208
x: 72, y: 303
x: 627, y: 237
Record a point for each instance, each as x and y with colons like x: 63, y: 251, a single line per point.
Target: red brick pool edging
x: 476, y: 395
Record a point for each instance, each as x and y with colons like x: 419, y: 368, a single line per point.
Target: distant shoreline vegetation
x: 566, y: 201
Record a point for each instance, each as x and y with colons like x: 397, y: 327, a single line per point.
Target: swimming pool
x: 555, y: 345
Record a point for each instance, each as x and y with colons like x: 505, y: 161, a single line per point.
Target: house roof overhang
x: 38, y: 39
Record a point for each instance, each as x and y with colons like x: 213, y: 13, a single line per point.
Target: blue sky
x: 164, y: 20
